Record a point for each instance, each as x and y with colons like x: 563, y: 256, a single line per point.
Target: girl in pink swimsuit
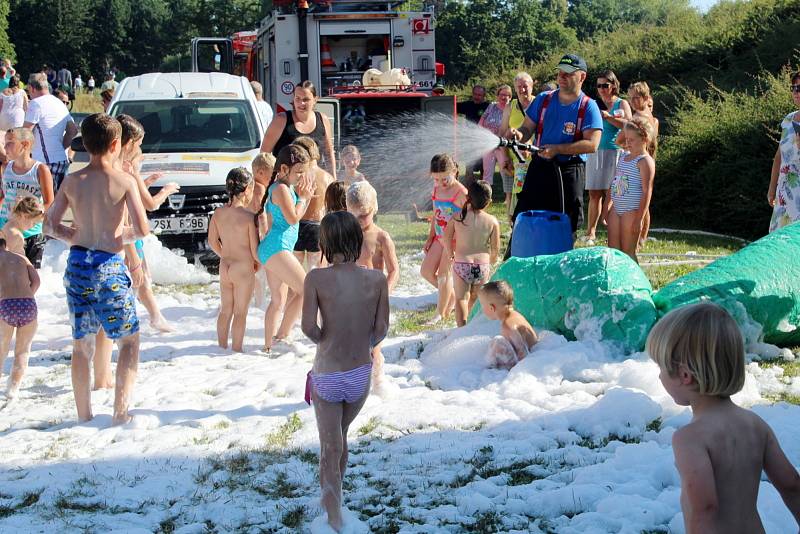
x: 449, y: 196
x: 353, y: 305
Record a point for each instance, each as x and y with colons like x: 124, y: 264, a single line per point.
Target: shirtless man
x: 232, y: 235
x: 18, y: 283
x: 307, y: 247
x: 98, y: 284
x: 377, y: 251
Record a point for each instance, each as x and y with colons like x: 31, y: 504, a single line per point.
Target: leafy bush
x: 713, y: 169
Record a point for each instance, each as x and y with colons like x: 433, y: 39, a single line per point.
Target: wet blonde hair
x: 362, y: 194
x: 707, y: 341
x: 639, y: 89
x: 644, y: 129
x: 23, y: 135
x: 264, y: 161
x: 28, y: 207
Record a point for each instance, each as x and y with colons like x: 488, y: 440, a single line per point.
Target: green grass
x: 86, y: 103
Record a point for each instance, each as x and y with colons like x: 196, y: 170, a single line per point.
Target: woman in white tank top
x: 13, y: 104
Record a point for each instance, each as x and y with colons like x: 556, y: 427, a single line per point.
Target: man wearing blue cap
x: 566, y: 125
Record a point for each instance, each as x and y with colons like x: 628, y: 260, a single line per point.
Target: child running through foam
x: 353, y: 303
x: 22, y: 176
x: 98, y: 284
x: 632, y: 187
x: 351, y: 159
x: 19, y: 282
x: 285, y: 207
x: 377, y: 250
x: 448, y: 196
x: 234, y: 239
x: 26, y: 215
x: 517, y: 337
x: 721, y: 453
x: 306, y: 250
x: 472, y: 243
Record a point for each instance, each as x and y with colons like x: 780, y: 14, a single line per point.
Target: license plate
x: 179, y: 225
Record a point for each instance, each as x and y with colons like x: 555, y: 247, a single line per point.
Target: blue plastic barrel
x: 541, y: 232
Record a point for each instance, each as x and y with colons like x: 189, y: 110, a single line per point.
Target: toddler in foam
x: 517, y: 337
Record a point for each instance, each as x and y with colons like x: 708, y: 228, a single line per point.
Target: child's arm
x: 46, y: 185
x: 698, y: 490
x: 282, y: 198
x: 33, y: 277
x: 431, y: 236
x: 134, y: 264
x: 647, y: 170
x: 138, y: 217
x: 494, y: 241
x: 782, y: 474
x: 253, y: 238
x: 447, y: 242
x: 308, y: 322
x: 390, y: 260
x: 213, y: 236
x: 55, y: 214
x: 381, y: 326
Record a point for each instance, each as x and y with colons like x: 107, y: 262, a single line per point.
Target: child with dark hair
x: 472, y: 242
x: 286, y: 198
x: 18, y: 284
x: 448, y: 199
x: 306, y: 250
x: 353, y: 304
x: 234, y: 239
x: 517, y: 336
x: 336, y: 197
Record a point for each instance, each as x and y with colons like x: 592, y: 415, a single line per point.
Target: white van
x: 198, y: 126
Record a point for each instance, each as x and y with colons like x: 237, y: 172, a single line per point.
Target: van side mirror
x: 77, y: 144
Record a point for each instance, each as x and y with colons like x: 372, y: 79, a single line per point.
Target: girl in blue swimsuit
x: 286, y: 200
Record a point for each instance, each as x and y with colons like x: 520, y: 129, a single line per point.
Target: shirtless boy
x: 98, y: 284
x: 306, y: 250
x: 377, y: 250
x: 517, y: 337
x: 18, y: 283
x: 721, y: 453
x: 353, y: 304
x: 232, y: 235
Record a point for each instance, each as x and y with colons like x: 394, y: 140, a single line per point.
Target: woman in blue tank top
x: 600, y: 166
x: 286, y: 201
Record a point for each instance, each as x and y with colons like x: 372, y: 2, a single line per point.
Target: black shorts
x: 308, y: 237
x: 34, y: 249
x: 554, y: 186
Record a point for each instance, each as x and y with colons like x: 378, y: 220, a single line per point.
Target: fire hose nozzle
x: 516, y: 146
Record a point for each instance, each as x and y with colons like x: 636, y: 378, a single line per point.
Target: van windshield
x: 193, y: 125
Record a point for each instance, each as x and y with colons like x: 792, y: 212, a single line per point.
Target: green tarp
x: 761, y: 281
x: 585, y: 293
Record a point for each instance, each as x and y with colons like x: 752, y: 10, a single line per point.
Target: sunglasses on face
x: 603, y: 85
x: 795, y: 88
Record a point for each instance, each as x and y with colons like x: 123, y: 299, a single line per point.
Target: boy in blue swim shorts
x: 107, y: 214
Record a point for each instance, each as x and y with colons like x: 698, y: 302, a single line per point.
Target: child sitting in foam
x: 234, y: 238
x: 517, y: 335
x: 18, y: 283
x: 472, y: 242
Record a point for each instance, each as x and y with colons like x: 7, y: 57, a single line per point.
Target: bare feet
x: 121, y: 419
x: 109, y: 384
x: 162, y: 325
x: 436, y: 319
x: 12, y: 389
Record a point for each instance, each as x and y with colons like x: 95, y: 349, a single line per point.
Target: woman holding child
x: 302, y: 120
x: 784, y: 184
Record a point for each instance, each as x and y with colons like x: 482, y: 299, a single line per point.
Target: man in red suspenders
x: 567, y: 125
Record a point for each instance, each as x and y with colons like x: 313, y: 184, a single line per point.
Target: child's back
x: 15, y: 240
x: 519, y: 332
x: 236, y: 244
x: 15, y: 282
x: 473, y: 236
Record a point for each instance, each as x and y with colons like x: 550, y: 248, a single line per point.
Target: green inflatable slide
x: 587, y: 293
x: 759, y: 285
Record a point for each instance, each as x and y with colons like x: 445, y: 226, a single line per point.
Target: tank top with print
x: 16, y: 186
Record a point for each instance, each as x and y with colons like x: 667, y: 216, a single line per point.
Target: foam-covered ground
x: 576, y: 438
